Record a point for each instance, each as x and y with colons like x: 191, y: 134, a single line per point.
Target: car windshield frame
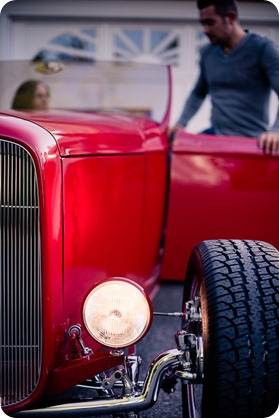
x: 140, y: 89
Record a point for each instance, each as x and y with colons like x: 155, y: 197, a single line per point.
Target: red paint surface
x: 221, y: 187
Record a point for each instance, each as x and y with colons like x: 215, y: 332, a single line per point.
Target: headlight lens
x: 117, y: 313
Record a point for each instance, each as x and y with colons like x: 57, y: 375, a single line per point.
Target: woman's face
x: 41, y: 97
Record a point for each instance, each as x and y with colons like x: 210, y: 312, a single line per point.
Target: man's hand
x: 269, y: 142
x: 173, y: 130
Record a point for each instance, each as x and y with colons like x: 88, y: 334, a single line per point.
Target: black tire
x: 238, y: 283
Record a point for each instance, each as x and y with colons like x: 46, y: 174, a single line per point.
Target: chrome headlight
x: 117, y: 313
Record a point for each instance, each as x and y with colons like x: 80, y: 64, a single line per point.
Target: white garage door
x: 176, y: 44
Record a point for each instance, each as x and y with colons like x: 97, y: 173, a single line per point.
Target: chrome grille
x: 20, y: 297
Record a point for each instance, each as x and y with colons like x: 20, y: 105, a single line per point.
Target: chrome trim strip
x: 148, y: 397
x: 20, y: 275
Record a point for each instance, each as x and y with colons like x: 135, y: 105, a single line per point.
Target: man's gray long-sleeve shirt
x: 240, y: 84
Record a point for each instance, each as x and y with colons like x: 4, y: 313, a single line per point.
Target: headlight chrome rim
x: 117, y: 313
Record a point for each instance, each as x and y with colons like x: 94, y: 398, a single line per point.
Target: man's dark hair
x: 222, y: 7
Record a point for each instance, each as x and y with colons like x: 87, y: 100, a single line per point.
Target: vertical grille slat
x: 20, y: 275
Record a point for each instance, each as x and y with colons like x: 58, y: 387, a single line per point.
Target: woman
x: 32, y: 95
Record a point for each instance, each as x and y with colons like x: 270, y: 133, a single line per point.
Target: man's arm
x: 269, y: 141
x: 191, y: 106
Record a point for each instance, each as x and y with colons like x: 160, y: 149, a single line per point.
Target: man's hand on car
x: 173, y: 130
x: 269, y: 142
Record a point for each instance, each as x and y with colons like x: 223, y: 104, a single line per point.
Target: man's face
x: 217, y: 28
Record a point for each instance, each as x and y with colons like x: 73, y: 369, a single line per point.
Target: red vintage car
x: 98, y: 207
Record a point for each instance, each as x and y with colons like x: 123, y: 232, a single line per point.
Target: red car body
x: 219, y: 187
x: 117, y: 200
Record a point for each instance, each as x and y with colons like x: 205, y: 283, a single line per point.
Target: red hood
x: 80, y: 133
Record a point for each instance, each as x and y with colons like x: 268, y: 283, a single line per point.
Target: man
x: 238, y: 69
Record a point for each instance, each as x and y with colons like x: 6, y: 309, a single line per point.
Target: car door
x: 220, y: 187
